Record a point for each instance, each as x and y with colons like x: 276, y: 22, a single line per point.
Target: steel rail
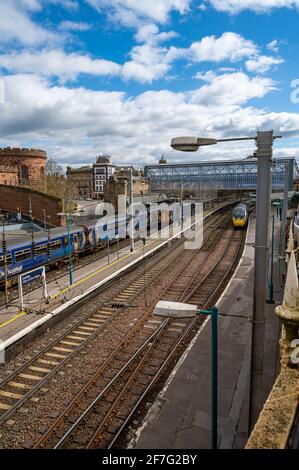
x: 163, y: 366
x: 142, y: 319
x: 35, y: 358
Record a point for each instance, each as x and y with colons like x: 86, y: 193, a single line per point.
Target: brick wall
x: 12, y: 197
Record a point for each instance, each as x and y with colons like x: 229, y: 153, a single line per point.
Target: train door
x: 76, y: 242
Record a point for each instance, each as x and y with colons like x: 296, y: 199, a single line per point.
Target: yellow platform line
x: 67, y: 289
x: 21, y: 314
x: 103, y: 268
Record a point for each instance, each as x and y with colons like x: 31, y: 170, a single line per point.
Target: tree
x: 53, y: 168
x: 56, y: 184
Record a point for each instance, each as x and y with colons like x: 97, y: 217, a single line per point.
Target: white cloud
x: 229, y: 46
x: 148, y: 63
x: 136, y: 12
x: 262, y: 64
x: 231, y: 89
x: 75, y: 125
x: 149, y: 60
x: 259, y: 6
x: 149, y: 33
x: 273, y: 46
x: 57, y: 63
x: 74, y: 26
x: 16, y: 24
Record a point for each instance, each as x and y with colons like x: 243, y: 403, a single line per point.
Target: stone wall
x: 29, y: 163
x: 13, y: 198
x: 8, y: 176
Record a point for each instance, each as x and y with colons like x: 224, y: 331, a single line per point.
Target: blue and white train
x: 53, y: 245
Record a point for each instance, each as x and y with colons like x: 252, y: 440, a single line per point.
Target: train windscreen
x: 239, y: 213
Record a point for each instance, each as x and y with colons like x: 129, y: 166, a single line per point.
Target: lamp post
x: 131, y: 206
x: 32, y: 228
x: 270, y: 299
x: 283, y: 226
x: 264, y: 141
x: 45, y: 218
x: 4, y: 253
x: 181, y: 310
x: 69, y: 220
x: 49, y: 238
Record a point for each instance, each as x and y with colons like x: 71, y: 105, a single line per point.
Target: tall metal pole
x: 32, y: 228
x: 214, y: 372
x: 4, y: 248
x: 49, y: 238
x: 270, y: 300
x: 45, y: 219
x: 264, y: 154
x: 283, y: 227
x: 131, y: 206
x: 70, y: 249
x: 181, y: 191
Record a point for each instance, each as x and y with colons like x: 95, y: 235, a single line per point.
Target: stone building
x: 102, y: 170
x: 22, y: 167
x: 82, y: 180
x: 119, y: 185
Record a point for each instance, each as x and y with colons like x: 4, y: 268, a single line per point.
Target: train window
x: 56, y: 245
x: 41, y: 250
x: 8, y: 260
x: 66, y: 241
x: 22, y: 255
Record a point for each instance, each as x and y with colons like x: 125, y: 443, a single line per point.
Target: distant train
x: 240, y: 216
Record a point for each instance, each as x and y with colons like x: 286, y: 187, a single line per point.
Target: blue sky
x: 81, y: 78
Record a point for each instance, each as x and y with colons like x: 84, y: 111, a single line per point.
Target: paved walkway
x: 180, y: 417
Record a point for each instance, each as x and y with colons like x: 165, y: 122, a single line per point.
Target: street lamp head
x: 190, y: 143
x: 185, y: 144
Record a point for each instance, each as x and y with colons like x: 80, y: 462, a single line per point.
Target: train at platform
x: 48, y: 247
x: 52, y: 247
x: 240, y: 216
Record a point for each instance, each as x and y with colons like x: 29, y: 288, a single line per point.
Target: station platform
x: 180, y: 417
x: 16, y: 323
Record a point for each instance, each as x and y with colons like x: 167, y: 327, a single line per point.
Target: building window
x: 24, y: 172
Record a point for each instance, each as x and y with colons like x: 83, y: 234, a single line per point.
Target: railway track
x: 23, y: 383
x: 55, y: 274
x: 97, y: 419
